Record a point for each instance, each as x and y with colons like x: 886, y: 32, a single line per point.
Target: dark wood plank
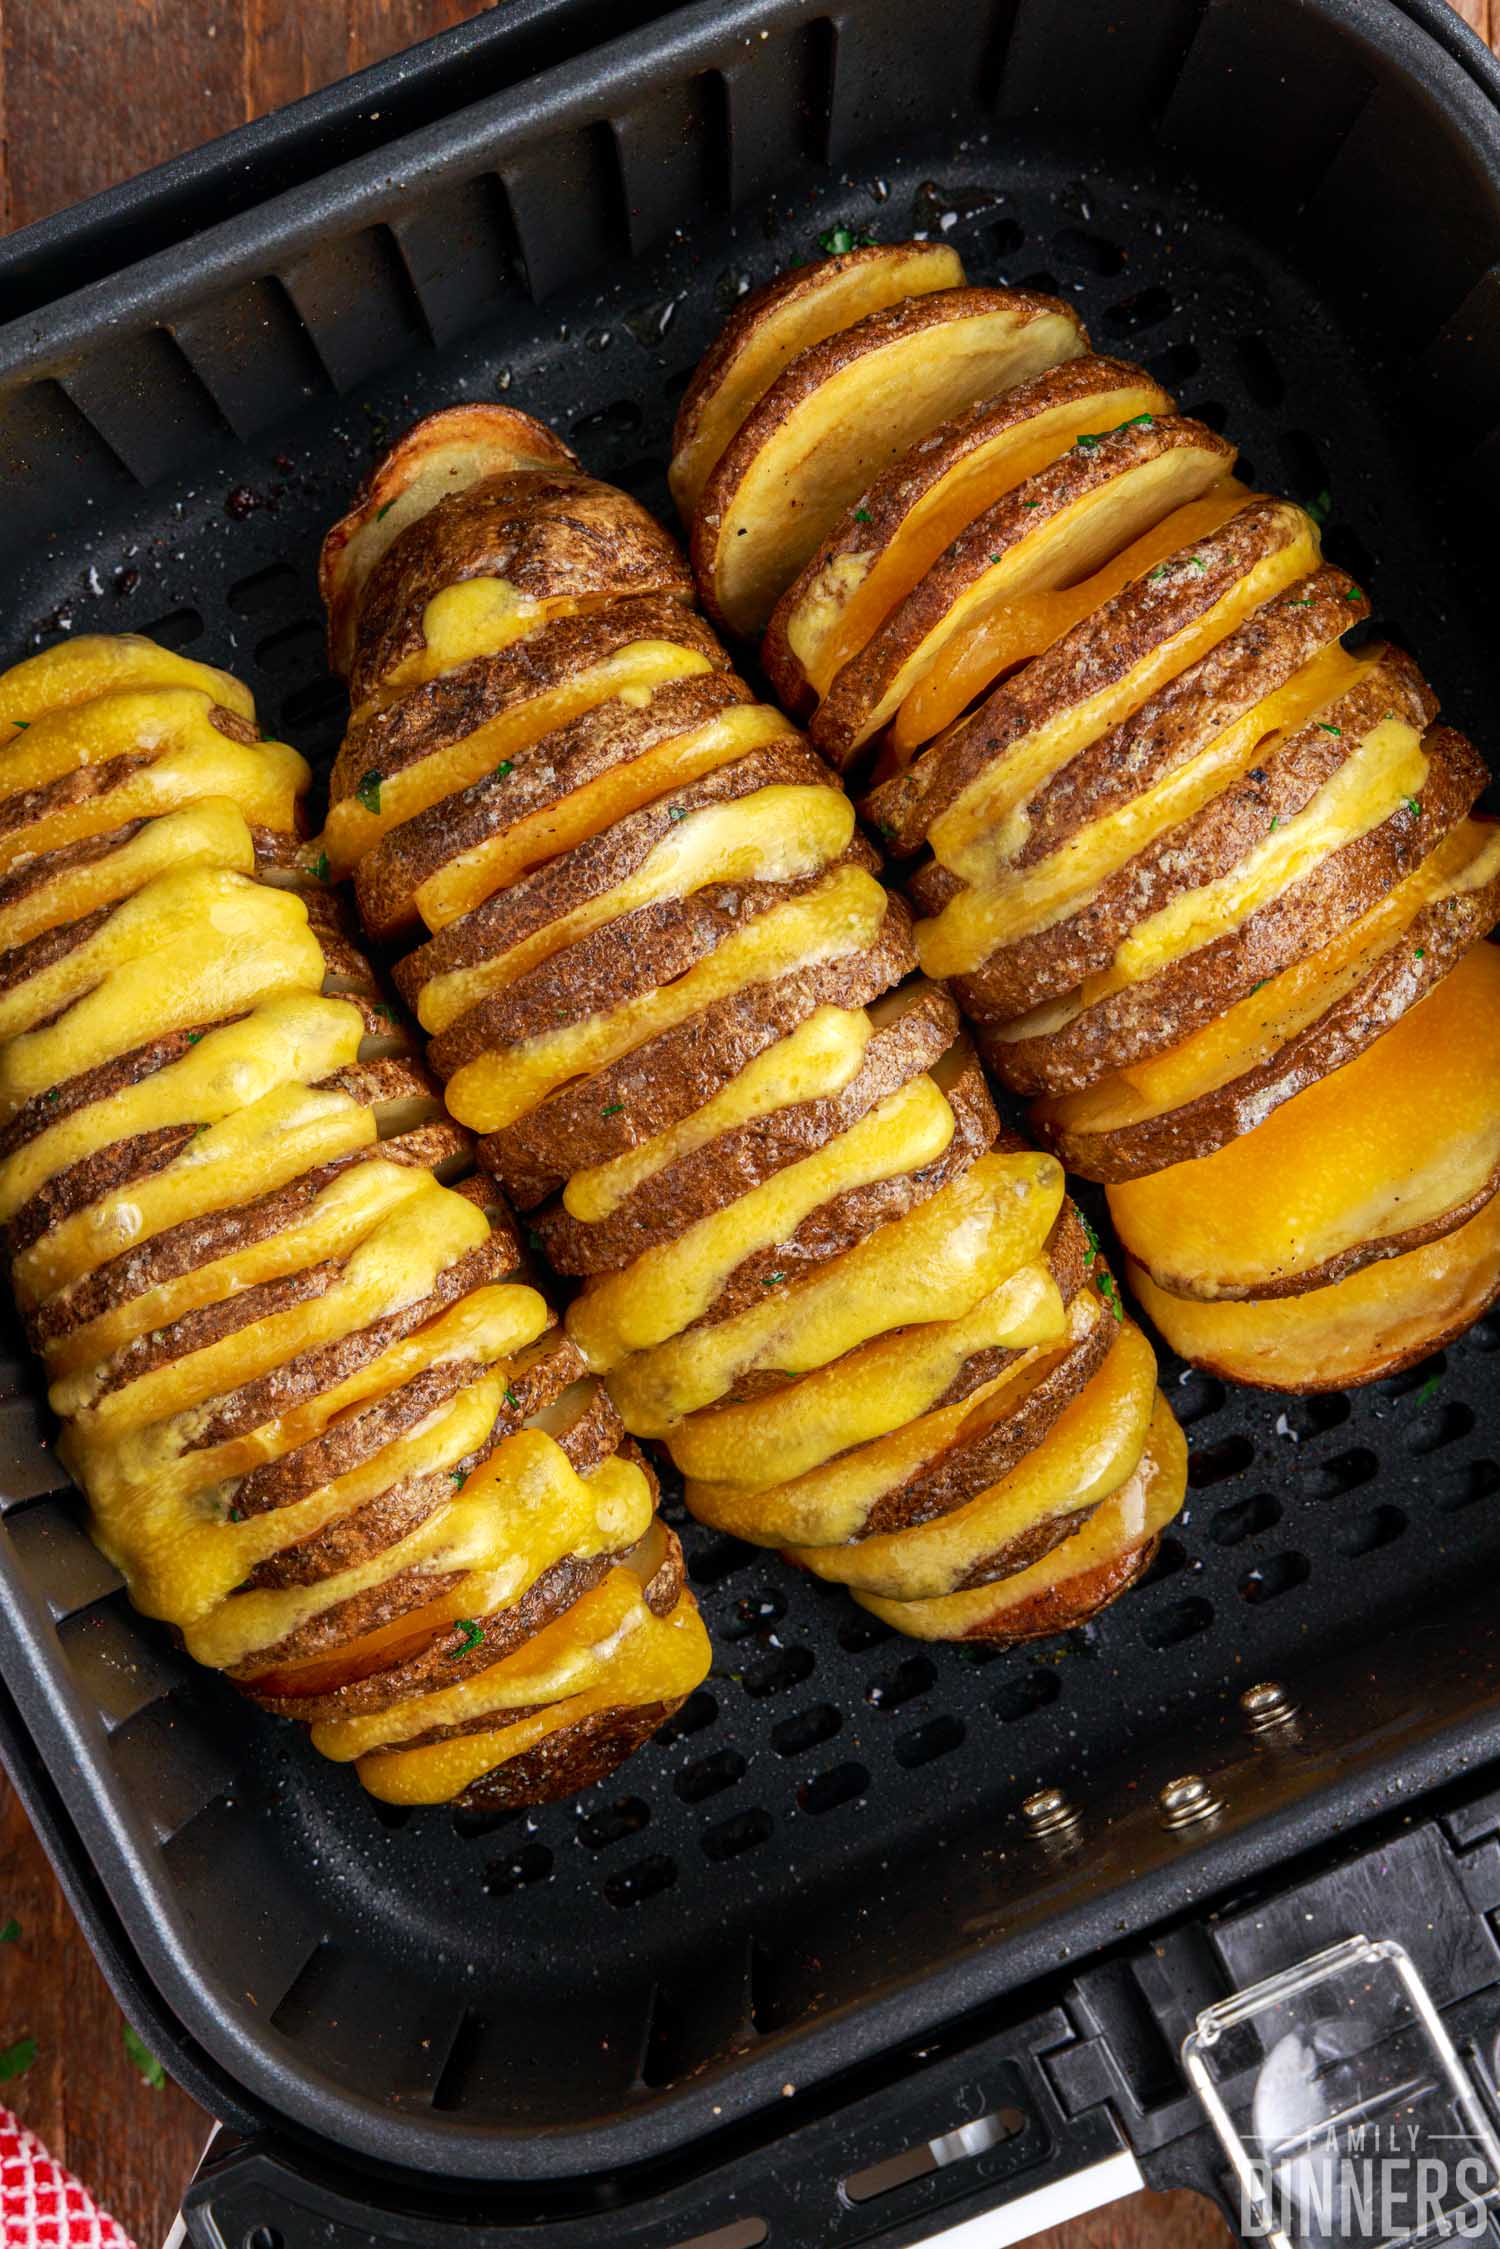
x: 134, y: 2144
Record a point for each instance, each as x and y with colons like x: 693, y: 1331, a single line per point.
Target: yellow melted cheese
x: 212, y: 833
x: 183, y: 1554
x: 1257, y: 1027
x: 1125, y: 1522
x: 841, y: 914
x: 987, y: 824
x: 1015, y: 902
x: 397, y: 1262
x: 470, y: 877
x: 777, y: 834
x: 299, y: 1036
x: 520, y: 1513
x: 488, y: 1325
x: 665, y: 1289
x: 93, y: 664
x: 194, y: 945
x: 821, y: 1501
x: 355, y: 828
x: 1384, y: 772
x: 334, y: 1221
x: 852, y: 595
x: 1088, y: 1452
x: 816, y: 1060
x: 653, y: 1660
x: 932, y: 1264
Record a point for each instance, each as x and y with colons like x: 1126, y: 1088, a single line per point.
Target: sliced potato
x: 445, y: 453
x: 1311, y: 1019
x: 1076, y: 1580
x: 845, y: 409
x: 1272, y: 873
x: 764, y: 335
x: 878, y: 552
x: 1400, y: 1146
x: 1371, y: 1324
x: 1087, y: 1454
x: 1041, y: 559
x: 970, y: 793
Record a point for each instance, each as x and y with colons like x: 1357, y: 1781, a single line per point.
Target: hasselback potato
x: 326, y: 1427
x: 1208, y: 882
x: 664, y: 984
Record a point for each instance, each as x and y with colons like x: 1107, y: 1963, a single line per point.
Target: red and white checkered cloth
x: 42, y: 2206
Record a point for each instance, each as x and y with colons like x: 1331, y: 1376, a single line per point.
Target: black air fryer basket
x: 803, y: 1971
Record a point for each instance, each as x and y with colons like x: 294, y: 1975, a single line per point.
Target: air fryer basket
x: 1291, y: 212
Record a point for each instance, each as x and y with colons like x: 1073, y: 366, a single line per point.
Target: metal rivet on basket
x: 1048, y: 1813
x: 1188, y: 1800
x: 1268, y: 1706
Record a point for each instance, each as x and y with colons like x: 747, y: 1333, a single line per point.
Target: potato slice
x: 1310, y: 1020
x: 1089, y: 1451
x: 1027, y: 569
x: 1400, y: 1146
x: 841, y: 413
x: 1370, y: 1324
x: 401, y: 761
x: 489, y: 566
x: 1274, y: 873
x: 445, y: 453
x: 765, y: 334
x: 969, y: 795
x: 877, y: 552
x: 1111, y: 1552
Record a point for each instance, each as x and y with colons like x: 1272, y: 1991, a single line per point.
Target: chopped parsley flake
x: 457, y: 1478
x: 611, y: 1108
x: 22, y: 723
x: 193, y: 1037
x: 1427, y: 1390
x: 1260, y: 986
x: 17, y: 2059
x: 676, y: 812
x: 861, y: 515
x: 1092, y: 1239
x: 1328, y: 727
x: 1111, y: 1296
x: 1089, y: 439
x: 368, y: 791
x: 145, y: 2061
x: 505, y: 769
x: 472, y: 1635
x: 1320, y: 507
x: 839, y: 241
x: 319, y: 868
x: 1303, y: 601
x: 11, y: 1931
x: 1355, y: 593
x: 383, y: 1008
x: 1196, y: 562
x: 236, y: 1514
x: 1414, y: 807
x: 1275, y: 823
x: 511, y: 1399
x: 1154, y: 577
x: 382, y: 513
x: 52, y: 1093
x: 1420, y: 954
x: 1031, y: 503
x: 771, y: 1280
x: 1138, y: 421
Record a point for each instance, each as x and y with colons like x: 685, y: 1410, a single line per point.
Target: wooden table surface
x: 72, y: 120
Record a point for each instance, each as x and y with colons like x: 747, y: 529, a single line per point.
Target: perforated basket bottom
x: 834, y: 1811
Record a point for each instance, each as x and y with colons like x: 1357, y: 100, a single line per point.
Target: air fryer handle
x: 961, y: 2147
